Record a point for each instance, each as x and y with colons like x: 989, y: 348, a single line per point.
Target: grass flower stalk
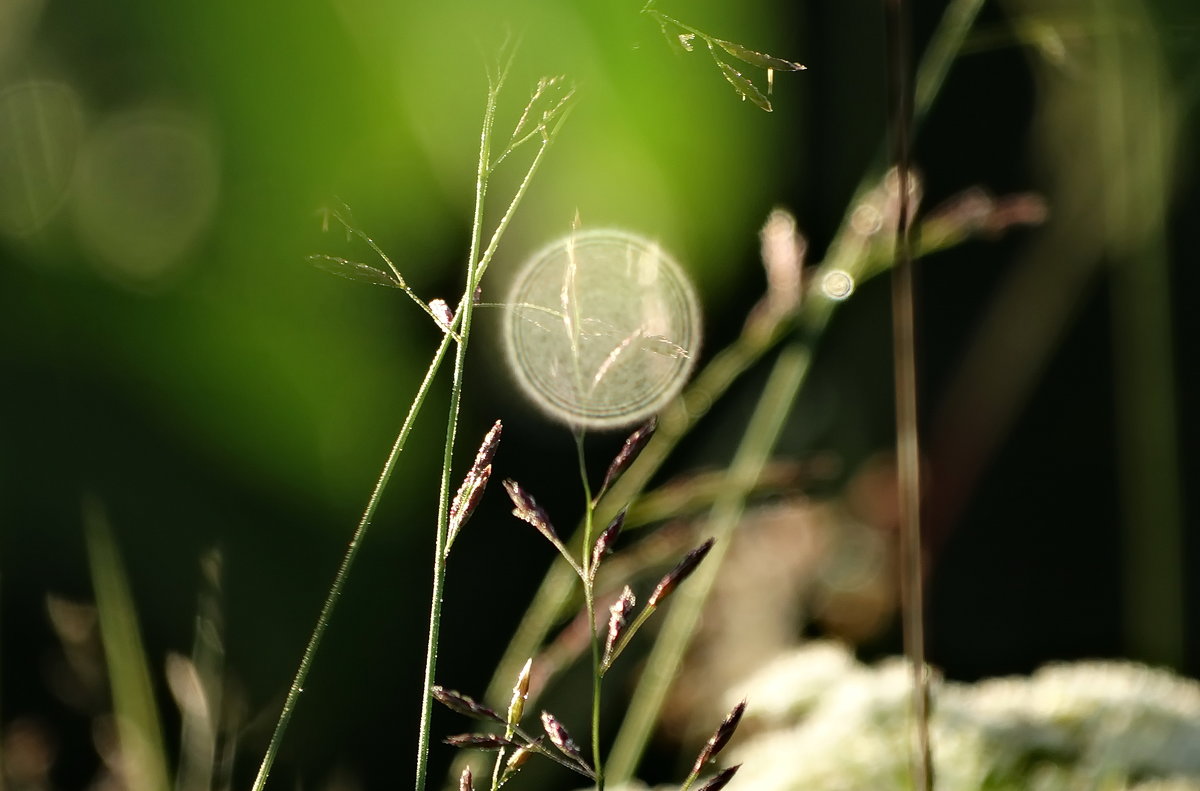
x: 589, y: 594
x: 457, y: 331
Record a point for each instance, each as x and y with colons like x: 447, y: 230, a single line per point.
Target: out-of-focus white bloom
x: 825, y: 722
x: 787, y: 688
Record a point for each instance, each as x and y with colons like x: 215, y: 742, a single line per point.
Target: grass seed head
x: 487, y: 449
x: 477, y: 741
x: 720, y: 737
x: 618, y: 616
x: 671, y: 580
x: 462, y: 704
x: 604, y: 543
x: 516, y: 760
x: 629, y: 452
x: 559, y: 736
x: 467, y: 498
x: 720, y: 779
x: 527, y: 509
x: 516, y: 706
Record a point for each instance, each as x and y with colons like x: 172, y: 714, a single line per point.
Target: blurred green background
x: 166, y: 349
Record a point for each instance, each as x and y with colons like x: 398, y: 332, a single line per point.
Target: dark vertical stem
x: 904, y: 354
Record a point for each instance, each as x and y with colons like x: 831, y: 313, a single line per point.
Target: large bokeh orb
x: 601, y: 328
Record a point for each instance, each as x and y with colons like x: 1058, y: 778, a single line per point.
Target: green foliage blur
x: 166, y: 349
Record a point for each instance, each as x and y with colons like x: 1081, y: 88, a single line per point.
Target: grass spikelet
x: 526, y: 509
x: 720, y: 779
x: 477, y: 741
x: 560, y: 738
x: 720, y: 737
x: 671, y: 580
x: 604, y: 544
x: 628, y: 453
x: 516, y: 706
x: 462, y: 704
x: 618, y: 616
x: 465, y: 501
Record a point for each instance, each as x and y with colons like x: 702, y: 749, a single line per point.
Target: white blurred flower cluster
x: 818, y: 720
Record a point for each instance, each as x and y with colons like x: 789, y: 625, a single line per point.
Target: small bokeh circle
x: 601, y: 328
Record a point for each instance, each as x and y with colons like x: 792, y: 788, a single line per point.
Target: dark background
x: 166, y: 349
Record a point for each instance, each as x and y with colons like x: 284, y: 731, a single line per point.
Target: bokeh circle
x: 601, y: 328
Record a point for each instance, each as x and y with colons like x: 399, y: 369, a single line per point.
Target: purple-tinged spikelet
x: 478, y: 741
x: 559, y: 737
x: 468, y: 496
x: 618, y: 616
x: 604, y: 543
x: 464, y: 781
x: 527, y: 509
x: 458, y: 702
x: 720, y: 737
x: 720, y: 779
x: 629, y: 452
x: 487, y: 449
x: 471, y: 491
x: 678, y: 574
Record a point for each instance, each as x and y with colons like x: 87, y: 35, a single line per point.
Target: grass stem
x: 589, y: 594
x: 339, y: 580
x: 908, y: 450
x: 477, y: 265
x: 465, y: 311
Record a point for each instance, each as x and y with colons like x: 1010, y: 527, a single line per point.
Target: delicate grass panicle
x: 684, y: 37
x: 604, y: 649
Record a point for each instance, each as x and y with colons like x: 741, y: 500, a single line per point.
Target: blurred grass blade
x: 944, y: 47
x: 753, y: 451
x: 138, y: 728
x: 197, y: 684
x: 743, y: 86
x: 760, y: 59
x: 353, y: 270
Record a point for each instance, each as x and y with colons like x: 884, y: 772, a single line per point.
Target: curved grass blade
x: 743, y: 86
x: 353, y: 270
x: 760, y: 59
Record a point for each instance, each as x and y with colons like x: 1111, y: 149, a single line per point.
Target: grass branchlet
x: 730, y: 58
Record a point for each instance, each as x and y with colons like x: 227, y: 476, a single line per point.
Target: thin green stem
x: 458, y: 331
x: 477, y: 265
x: 339, y: 580
x: 589, y: 595
x: 466, y: 309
